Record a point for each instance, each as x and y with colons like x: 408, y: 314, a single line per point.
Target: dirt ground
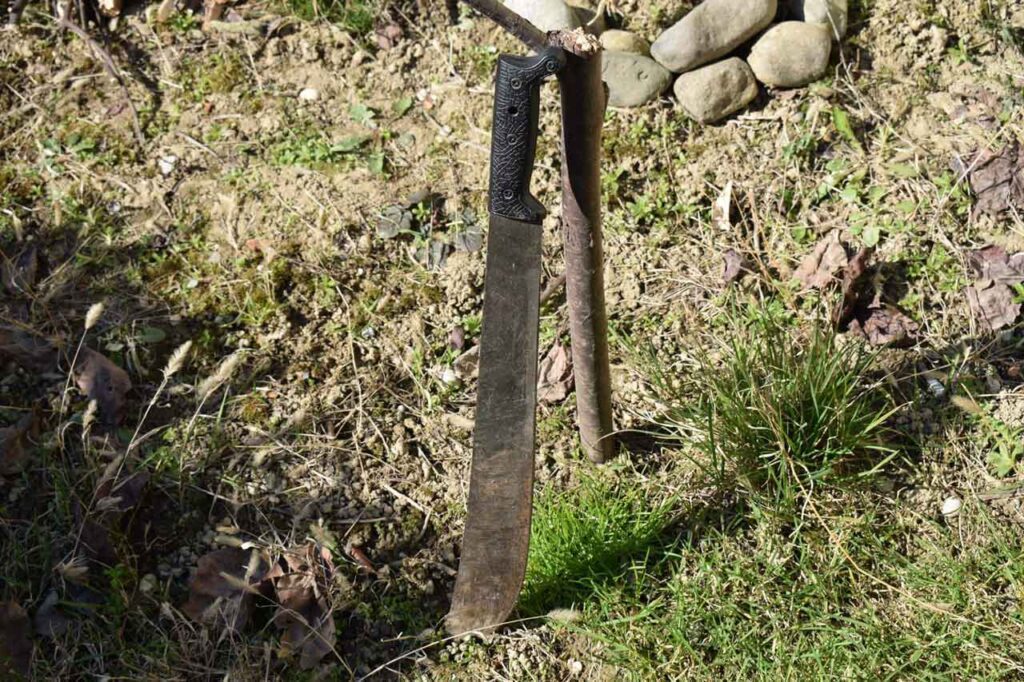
x: 247, y: 220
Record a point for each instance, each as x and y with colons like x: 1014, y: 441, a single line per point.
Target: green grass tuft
x: 586, y: 538
x: 782, y: 413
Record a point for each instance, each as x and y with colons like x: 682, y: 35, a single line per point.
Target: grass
x: 782, y: 412
x: 585, y: 538
x: 354, y: 16
x: 857, y: 597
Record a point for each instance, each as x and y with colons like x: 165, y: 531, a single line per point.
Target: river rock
x: 712, y: 92
x: 791, y: 54
x: 830, y: 13
x: 547, y: 15
x: 632, y: 79
x: 713, y: 29
x: 617, y: 40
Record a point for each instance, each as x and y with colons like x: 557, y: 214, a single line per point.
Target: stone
x: 830, y: 13
x: 547, y: 15
x: 632, y: 79
x: 309, y: 94
x: 951, y: 506
x: 616, y: 40
x: 712, y: 30
x: 712, y: 92
x: 791, y: 54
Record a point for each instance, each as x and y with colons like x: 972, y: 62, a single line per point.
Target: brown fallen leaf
x: 359, y: 556
x: 103, y: 381
x: 857, y: 289
x: 388, y: 36
x: 997, y: 178
x: 993, y: 264
x: 221, y: 591
x: 993, y: 306
x: 884, y: 326
x: 734, y: 266
x: 820, y: 266
x: 15, y: 646
x: 213, y: 10
x: 555, y: 375
x: 12, y: 444
x: 861, y: 310
x: 28, y: 350
x: 304, y: 613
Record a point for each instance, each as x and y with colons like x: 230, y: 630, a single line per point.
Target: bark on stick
x: 583, y: 105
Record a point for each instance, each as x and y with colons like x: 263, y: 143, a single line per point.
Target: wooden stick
x: 531, y: 36
x: 583, y: 105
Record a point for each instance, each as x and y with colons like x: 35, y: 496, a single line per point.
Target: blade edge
x: 495, y: 542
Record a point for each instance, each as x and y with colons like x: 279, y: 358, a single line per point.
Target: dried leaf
x: 359, y: 556
x: 15, y: 646
x: 12, y: 444
x: 734, y: 266
x: 103, y: 381
x: 857, y: 289
x: 213, y: 10
x: 993, y: 306
x: 556, y: 378
x: 304, y: 614
x: 884, y: 326
x: 993, y: 264
x: 221, y: 591
x: 997, y: 178
x: 722, y: 208
x: 28, y: 350
x: 819, y: 267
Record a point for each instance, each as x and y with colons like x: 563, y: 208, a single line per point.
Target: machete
x: 496, y: 538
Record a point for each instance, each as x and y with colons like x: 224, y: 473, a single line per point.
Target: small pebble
x: 167, y: 164
x: 309, y: 94
x: 951, y: 506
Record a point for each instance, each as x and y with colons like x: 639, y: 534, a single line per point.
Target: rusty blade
x: 496, y: 539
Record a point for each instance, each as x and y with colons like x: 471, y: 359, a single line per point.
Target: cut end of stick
x: 576, y: 41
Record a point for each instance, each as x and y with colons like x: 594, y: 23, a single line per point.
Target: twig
x: 108, y: 65
x: 553, y: 287
x: 532, y: 36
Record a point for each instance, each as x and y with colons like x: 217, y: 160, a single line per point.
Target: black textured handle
x: 514, y: 133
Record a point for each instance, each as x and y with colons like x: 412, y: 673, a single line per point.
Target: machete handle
x: 514, y: 132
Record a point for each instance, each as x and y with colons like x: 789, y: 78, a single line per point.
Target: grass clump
x: 782, y: 412
x: 587, y: 537
x: 355, y: 16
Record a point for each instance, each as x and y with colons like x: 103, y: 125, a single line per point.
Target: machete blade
x: 497, y: 534
x: 496, y: 539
